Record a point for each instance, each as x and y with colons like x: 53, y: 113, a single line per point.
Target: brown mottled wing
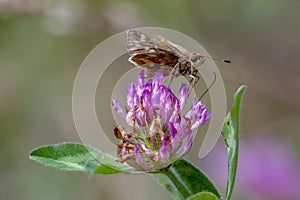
x: 146, y: 53
x: 138, y: 43
x: 167, y: 45
x: 152, y: 62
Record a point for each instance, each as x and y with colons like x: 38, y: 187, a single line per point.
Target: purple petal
x: 130, y: 117
x: 197, y: 115
x: 184, y: 128
x: 187, y: 145
x: 158, y: 78
x: 201, y: 117
x: 148, y: 86
x: 147, y: 103
x: 175, y: 119
x: 140, y: 83
x: 195, y: 102
x: 172, y: 130
x: 164, y: 151
x: 183, y: 95
x: 132, y: 98
x: 175, y: 141
x: 168, y: 109
x: 140, y: 79
x: 141, y: 118
x: 177, y: 105
x: 118, y: 108
x: 140, y: 159
x: 149, y: 82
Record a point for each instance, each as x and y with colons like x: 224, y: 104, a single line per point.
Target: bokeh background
x: 42, y: 44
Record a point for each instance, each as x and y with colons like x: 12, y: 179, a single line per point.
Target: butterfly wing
x: 152, y: 62
x: 138, y: 43
x: 147, y: 53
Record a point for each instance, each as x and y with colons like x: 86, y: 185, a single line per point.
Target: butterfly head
x: 196, y: 59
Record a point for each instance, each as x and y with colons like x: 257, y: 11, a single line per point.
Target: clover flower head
x: 158, y: 134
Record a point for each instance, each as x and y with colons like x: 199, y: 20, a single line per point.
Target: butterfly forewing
x: 138, y: 42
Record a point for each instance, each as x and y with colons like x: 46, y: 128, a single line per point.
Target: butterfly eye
x: 194, y: 58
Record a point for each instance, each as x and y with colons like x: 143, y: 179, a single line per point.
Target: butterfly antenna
x: 204, y: 93
x: 218, y: 59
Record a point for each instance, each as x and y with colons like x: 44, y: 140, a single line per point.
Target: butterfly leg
x: 194, y: 79
x: 173, y: 73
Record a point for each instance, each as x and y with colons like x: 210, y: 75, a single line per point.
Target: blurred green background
x: 42, y: 44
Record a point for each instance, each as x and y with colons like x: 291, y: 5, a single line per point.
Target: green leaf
x: 230, y: 133
x: 169, y: 185
x: 104, y: 169
x: 111, y: 165
x: 185, y: 180
x: 203, y: 196
x: 77, y: 157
